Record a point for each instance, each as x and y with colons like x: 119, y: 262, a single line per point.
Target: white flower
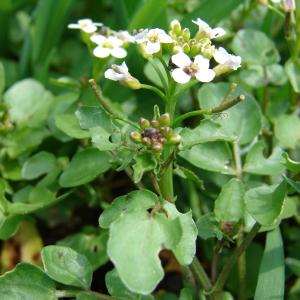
x: 107, y: 46
x: 125, y: 36
x: 152, y: 40
x: 211, y: 33
x: 117, y: 73
x: 224, y: 58
x: 86, y: 25
x: 188, y: 68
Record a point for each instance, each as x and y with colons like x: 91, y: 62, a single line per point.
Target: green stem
x: 200, y: 274
x: 241, y: 263
x: 233, y: 259
x: 155, y: 90
x: 210, y: 111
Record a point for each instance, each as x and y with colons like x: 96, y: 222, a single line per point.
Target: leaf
x: 24, y: 140
x: 41, y: 163
x: 102, y: 139
x: 29, y: 103
x: 2, y: 79
x: 141, y: 199
x: 147, y: 13
x: 207, y: 227
x: 242, y: 121
x: 265, y: 203
x: 271, y: 276
x: 256, y: 163
x: 290, y: 164
x: 66, y: 266
x: 144, y: 162
x: 255, y: 48
x: 214, y: 156
x: 85, y: 166
x: 189, y: 175
x: 207, y: 131
x: 229, y: 206
x: 69, y: 124
x: 93, y: 116
x: 295, y: 185
x: 287, y: 130
x: 26, y: 282
x: 292, y: 68
x: 9, y: 225
x: 92, y: 245
x: 294, y: 265
x: 87, y: 296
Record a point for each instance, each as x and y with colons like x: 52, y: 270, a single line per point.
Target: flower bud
x: 136, y: 136
x: 186, y: 34
x: 155, y: 123
x: 132, y: 83
x: 186, y: 48
x: 175, y: 138
x: 164, y: 119
x: 144, y: 123
x: 146, y: 141
x: 176, y: 27
x: 289, y: 5
x: 157, y: 146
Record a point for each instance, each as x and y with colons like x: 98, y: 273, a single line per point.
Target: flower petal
x: 118, y: 52
x: 202, y: 25
x: 181, y: 60
x: 116, y: 42
x: 74, y: 26
x: 205, y: 75
x: 217, y: 32
x: 221, y: 55
x: 202, y: 62
x: 124, y: 67
x: 101, y: 52
x: 98, y: 39
x: 111, y: 74
x: 165, y: 38
x: 151, y: 48
x: 89, y: 28
x: 180, y: 76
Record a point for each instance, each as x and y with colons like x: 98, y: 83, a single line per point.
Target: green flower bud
x: 176, y: 27
x: 164, y: 119
x: 155, y: 123
x: 166, y: 131
x: 136, y: 136
x: 186, y: 34
x: 132, y: 83
x: 144, y: 123
x: 175, y: 138
x: 186, y: 48
x: 157, y: 146
x: 146, y: 141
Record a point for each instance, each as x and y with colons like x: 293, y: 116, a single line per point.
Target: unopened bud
x: 155, y: 123
x: 227, y: 227
x: 157, y: 146
x: 177, y: 49
x: 136, y: 136
x: 186, y: 34
x: 146, y: 141
x: 186, y: 48
x: 164, y: 119
x: 175, y: 138
x: 132, y: 83
x: 144, y: 123
x: 289, y: 5
x: 166, y: 131
x: 176, y: 27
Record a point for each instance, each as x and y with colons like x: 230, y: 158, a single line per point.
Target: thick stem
x: 200, y: 274
x: 241, y: 263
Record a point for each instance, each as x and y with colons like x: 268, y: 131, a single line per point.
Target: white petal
x: 217, y: 32
x: 202, y: 62
x: 118, y: 52
x: 141, y: 37
x: 85, y: 22
x: 221, y: 55
x: 165, y: 38
x: 101, y: 52
x: 90, y: 28
x: 180, y: 76
x: 115, y: 41
x: 234, y: 62
x: 156, y: 31
x: 124, y: 67
x: 98, y: 39
x: 111, y: 74
x: 202, y: 25
x: 181, y: 60
x: 74, y: 26
x: 151, y: 48
x: 205, y: 75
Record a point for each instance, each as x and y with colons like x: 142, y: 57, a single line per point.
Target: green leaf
x: 295, y: 185
x: 92, y: 245
x: 87, y: 296
x: 24, y: 140
x: 152, y: 75
x: 102, y: 139
x: 26, y: 282
x: 265, y: 203
x: 189, y: 175
x: 69, y: 124
x: 294, y: 265
x: 287, y: 130
x: 85, y: 166
x: 255, y: 48
x: 229, y: 206
x: 271, y: 276
x: 93, y: 116
x: 214, y: 156
x: 29, y: 103
x: 147, y: 13
x: 257, y: 163
x: 207, y: 131
x: 290, y: 164
x: 207, y: 227
x: 141, y: 199
x: 242, y: 121
x: 2, y: 79
x: 292, y: 68
x: 38, y: 164
x: 144, y: 162
x: 66, y: 266
x: 9, y: 225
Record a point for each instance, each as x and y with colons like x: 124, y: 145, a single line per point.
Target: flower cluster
x: 286, y: 5
x: 156, y: 133
x: 188, y: 56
